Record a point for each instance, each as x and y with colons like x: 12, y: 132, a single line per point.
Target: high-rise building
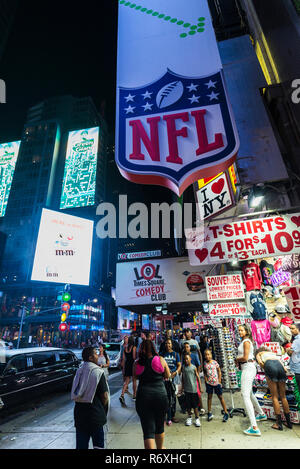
x: 274, y: 26
x: 40, y: 180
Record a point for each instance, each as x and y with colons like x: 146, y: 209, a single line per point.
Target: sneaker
x: 251, y: 432
x: 197, y: 422
x: 122, y: 400
x: 209, y: 416
x: 202, y: 411
x: 225, y: 417
x: 169, y: 423
x: 261, y: 417
x: 188, y: 421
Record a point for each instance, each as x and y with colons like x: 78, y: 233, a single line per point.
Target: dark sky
x: 55, y: 48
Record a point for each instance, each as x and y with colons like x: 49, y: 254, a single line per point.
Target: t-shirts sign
x: 242, y: 240
x: 227, y: 310
x: 224, y: 287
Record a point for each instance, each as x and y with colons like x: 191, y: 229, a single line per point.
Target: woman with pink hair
x: 152, y: 400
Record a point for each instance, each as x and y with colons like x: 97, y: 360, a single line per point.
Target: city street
x: 150, y: 226
x: 48, y: 424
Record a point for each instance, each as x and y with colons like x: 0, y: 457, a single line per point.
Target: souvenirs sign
x: 174, y: 124
x: 224, y: 287
x: 242, y: 240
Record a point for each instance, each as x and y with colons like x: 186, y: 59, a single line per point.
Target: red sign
x: 247, y: 239
x: 293, y: 298
x: 227, y: 310
x: 164, y: 317
x: 224, y: 287
x: 63, y: 327
x: 65, y: 307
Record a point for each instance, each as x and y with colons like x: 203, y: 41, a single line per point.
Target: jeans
x: 83, y: 438
x: 250, y: 401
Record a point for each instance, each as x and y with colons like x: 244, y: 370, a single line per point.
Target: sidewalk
x: 125, y: 430
x: 51, y: 427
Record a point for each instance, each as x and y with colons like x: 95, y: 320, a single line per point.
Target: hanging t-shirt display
x: 256, y: 305
x: 252, y: 276
x: 266, y: 271
x: 261, y: 331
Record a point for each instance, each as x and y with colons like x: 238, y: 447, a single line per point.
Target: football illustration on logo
x: 169, y: 94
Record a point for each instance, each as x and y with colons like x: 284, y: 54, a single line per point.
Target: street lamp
x: 255, y: 196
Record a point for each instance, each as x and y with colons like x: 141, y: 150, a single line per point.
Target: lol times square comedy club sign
x: 174, y: 124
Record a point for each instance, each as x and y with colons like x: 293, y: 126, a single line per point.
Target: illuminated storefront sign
x: 63, y: 249
x: 8, y: 158
x: 174, y: 124
x: 79, y: 180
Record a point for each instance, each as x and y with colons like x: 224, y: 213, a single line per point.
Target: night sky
x: 56, y: 48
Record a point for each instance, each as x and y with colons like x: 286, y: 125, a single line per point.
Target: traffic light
x: 65, y: 308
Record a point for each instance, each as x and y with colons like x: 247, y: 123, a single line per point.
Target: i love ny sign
x: 214, y: 197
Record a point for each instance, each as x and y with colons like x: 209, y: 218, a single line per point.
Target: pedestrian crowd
x: 173, y: 373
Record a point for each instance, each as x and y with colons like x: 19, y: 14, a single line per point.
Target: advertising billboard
x: 174, y: 123
x: 8, y: 158
x: 160, y: 281
x: 63, y: 249
x: 79, y: 182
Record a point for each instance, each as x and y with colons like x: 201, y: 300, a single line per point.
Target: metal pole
x: 21, y: 325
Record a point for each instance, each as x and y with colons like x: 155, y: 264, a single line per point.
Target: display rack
x: 225, y: 356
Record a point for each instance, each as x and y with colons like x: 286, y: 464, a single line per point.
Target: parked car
x: 30, y: 372
x: 113, y: 350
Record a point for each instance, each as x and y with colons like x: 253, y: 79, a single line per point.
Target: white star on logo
x: 129, y: 98
x: 213, y: 95
x: 194, y: 99
x: 129, y: 109
x: 147, y: 95
x: 211, y: 84
x: 147, y: 107
x: 192, y: 87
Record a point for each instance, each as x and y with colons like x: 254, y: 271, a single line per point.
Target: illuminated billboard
x: 79, y: 180
x: 63, y: 249
x: 8, y: 158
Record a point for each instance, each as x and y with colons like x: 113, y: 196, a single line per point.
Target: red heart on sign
x: 218, y: 186
x: 296, y: 220
x: 201, y: 254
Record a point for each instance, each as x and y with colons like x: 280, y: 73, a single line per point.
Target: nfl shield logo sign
x: 175, y: 131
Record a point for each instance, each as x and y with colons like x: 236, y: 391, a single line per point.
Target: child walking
x: 190, y: 377
x: 212, y: 376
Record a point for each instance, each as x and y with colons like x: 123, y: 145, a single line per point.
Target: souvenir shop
x: 263, y: 293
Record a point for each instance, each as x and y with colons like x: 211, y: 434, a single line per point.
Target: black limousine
x: 29, y: 372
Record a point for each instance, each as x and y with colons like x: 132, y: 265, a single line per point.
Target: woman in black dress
x: 152, y: 400
x: 129, y: 356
